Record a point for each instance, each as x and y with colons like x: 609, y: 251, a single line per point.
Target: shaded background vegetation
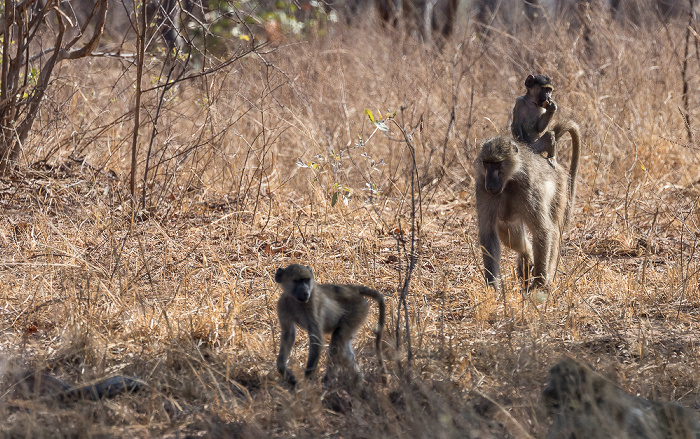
x: 253, y: 150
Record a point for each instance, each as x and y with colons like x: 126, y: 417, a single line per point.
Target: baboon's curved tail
x: 571, y: 127
x: 379, y: 298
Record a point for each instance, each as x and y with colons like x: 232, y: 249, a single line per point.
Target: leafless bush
x: 28, y: 63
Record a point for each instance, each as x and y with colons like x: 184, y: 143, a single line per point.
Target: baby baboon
x: 534, y: 110
x: 532, y: 114
x: 586, y: 405
x: 516, y: 189
x: 322, y: 309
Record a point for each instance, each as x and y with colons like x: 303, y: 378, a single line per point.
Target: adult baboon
x: 516, y: 191
x: 585, y: 405
x: 323, y: 309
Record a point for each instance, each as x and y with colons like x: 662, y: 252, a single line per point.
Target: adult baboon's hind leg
x: 341, y: 356
x: 515, y: 236
x: 554, y: 254
x: 546, y: 244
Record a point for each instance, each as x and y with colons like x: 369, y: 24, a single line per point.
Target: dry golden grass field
x: 272, y: 160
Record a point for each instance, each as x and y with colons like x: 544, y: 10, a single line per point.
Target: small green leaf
x: 370, y: 115
x: 334, y: 199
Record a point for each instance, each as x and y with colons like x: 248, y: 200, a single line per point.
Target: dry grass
x: 184, y: 296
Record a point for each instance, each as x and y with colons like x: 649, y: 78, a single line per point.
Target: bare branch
x: 96, y: 35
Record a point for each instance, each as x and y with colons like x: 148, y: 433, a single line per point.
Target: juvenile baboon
x: 585, y: 405
x: 323, y: 309
x: 532, y: 114
x: 516, y: 189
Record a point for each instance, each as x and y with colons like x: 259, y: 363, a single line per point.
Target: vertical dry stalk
x: 414, y: 253
x: 139, y: 25
x: 684, y: 73
x: 453, y: 111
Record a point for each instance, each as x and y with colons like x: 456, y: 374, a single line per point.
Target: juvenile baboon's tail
x: 379, y: 298
x: 571, y: 127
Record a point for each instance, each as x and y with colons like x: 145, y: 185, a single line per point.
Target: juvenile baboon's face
x: 539, y: 88
x: 296, y: 280
x: 540, y: 94
x: 301, y: 290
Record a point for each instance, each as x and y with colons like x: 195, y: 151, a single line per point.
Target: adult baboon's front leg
x: 286, y: 343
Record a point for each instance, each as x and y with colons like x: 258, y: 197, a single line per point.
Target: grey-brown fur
x: 516, y: 191
x: 322, y: 309
x: 585, y: 405
x: 534, y: 110
x: 532, y: 114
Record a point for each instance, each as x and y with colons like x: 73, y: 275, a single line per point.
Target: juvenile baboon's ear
x: 279, y: 274
x: 529, y: 81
